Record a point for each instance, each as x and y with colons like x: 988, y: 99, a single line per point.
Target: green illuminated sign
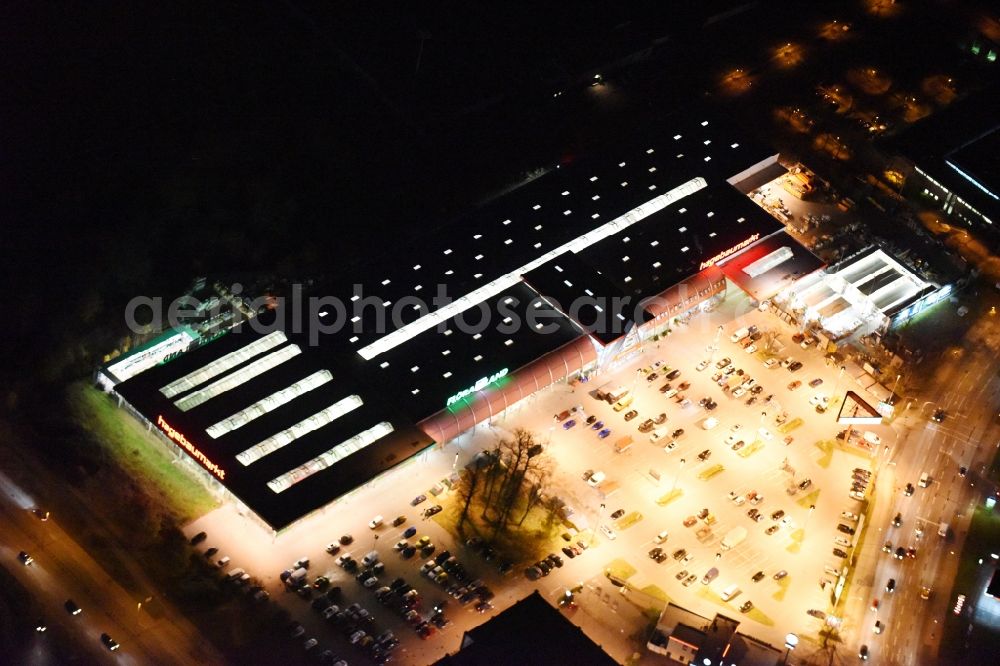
x: 478, y: 386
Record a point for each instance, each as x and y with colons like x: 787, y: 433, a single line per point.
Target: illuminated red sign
x: 725, y: 253
x: 181, y: 440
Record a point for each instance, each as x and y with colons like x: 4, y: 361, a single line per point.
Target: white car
x: 701, y: 366
x: 595, y: 479
x: 662, y: 536
x: 847, y: 515
x: 787, y: 362
x: 608, y: 532
x: 841, y: 541
x: 765, y: 434
x: 375, y: 522
x: 750, y: 349
x: 671, y: 393
x: 709, y: 423
x: 770, y: 363
x: 739, y: 392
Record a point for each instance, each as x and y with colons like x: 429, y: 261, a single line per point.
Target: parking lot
x: 802, y: 543
x: 802, y: 539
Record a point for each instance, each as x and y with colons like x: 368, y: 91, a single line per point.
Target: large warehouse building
x: 560, y: 278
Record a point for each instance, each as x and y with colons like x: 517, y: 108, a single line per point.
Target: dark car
x: 617, y: 514
x: 757, y: 577
x: 631, y: 414
x: 198, y: 538
x: 863, y: 653
x: 398, y: 520
x: 597, y: 425
x: 891, y: 585
x: 569, y: 424
x: 908, y: 490
x: 72, y: 608
x: 418, y: 499
x: 677, y: 433
x: 674, y: 375
x: 591, y: 419
x: 797, y: 365
x: 346, y: 540
x: 839, y: 553
x: 900, y: 553
x: 805, y: 483
x: 723, y: 363
x: 604, y: 433
x: 408, y: 552
x: 846, y: 529
x: 646, y: 425
x: 652, y: 377
x: 109, y: 642
x: 815, y: 382
x: 938, y: 415
x: 433, y: 510
x: 666, y: 387
x: 410, y: 531
x: 705, y: 455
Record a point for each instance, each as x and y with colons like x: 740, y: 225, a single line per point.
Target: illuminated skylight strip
x: 330, y: 458
x: 971, y: 180
x: 234, y: 379
x: 460, y: 305
x: 270, y: 403
x: 223, y: 364
x: 300, y: 429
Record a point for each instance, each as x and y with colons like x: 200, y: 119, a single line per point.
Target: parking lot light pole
x: 677, y: 477
x: 791, y: 640
x: 593, y: 532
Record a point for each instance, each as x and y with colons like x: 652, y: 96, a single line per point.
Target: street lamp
x: 677, y: 477
x: 791, y: 640
x: 593, y: 532
x: 812, y: 507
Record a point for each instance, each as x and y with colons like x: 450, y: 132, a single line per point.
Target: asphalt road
x: 966, y: 385
x: 64, y: 570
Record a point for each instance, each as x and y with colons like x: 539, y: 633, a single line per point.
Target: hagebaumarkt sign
x: 478, y: 386
x: 725, y: 253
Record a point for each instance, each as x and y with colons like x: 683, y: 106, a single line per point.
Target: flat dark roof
x: 249, y: 482
x: 439, y: 363
x: 963, y: 134
x: 676, y: 243
x: 529, y: 632
x: 548, y: 212
x: 978, y: 160
x: 802, y: 262
x: 281, y: 426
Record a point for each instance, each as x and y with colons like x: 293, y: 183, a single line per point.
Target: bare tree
x: 537, y: 490
x: 467, y: 487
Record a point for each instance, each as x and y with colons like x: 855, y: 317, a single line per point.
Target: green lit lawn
x: 139, y: 453
x: 619, y: 568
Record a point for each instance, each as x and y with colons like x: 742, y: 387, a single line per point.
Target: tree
x: 468, y: 484
x: 536, y: 491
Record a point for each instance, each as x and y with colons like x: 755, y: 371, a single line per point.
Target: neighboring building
x: 529, y: 632
x: 564, y: 277
x: 685, y: 637
x: 951, y: 160
x: 869, y: 290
